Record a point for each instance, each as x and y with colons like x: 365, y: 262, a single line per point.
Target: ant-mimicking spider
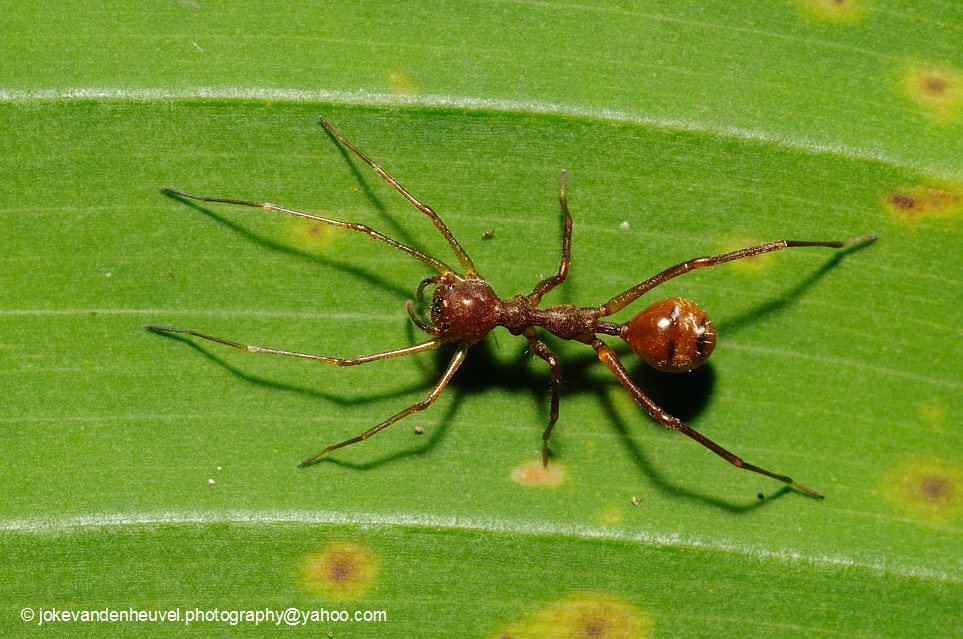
x: 672, y: 335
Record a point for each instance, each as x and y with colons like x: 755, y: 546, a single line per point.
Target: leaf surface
x: 150, y: 472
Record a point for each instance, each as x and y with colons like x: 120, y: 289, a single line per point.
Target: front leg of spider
x: 468, y: 320
x: 453, y: 365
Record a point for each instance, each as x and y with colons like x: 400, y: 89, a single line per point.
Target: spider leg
x: 456, y: 361
x: 551, y: 282
x: 626, y: 297
x: 456, y: 248
x: 541, y: 349
x: 337, y: 361
x: 438, y: 265
x: 611, y: 360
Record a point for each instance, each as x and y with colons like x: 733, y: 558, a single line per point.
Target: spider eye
x: 673, y: 335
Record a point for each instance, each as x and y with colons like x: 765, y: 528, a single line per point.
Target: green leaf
x: 149, y: 472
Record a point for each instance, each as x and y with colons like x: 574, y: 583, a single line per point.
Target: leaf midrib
x: 467, y: 105
x: 103, y: 521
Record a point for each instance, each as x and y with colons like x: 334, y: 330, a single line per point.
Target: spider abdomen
x: 673, y: 335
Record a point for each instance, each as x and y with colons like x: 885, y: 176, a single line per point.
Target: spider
x: 673, y: 335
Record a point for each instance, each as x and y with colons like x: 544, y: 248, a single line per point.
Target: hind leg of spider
x: 611, y: 360
x: 337, y: 361
x: 463, y: 259
x: 626, y: 297
x: 551, y: 282
x: 456, y: 361
x: 541, y: 350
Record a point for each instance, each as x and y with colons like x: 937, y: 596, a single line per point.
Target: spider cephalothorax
x: 465, y: 310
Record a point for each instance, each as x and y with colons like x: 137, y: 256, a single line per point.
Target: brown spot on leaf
x: 935, y: 85
x: 937, y: 88
x: 342, y: 569
x: 936, y: 489
x: 584, y: 615
x: 902, y: 201
x: 913, y: 203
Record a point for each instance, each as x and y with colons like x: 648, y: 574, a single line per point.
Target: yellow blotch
x: 583, y: 615
x: 935, y: 416
x: 610, y: 516
x: 937, y: 88
x: 311, y: 237
x: 835, y: 10
x: 341, y: 570
x: 532, y: 473
x: 621, y: 402
x: 914, y: 203
x: 754, y: 264
x: 401, y: 84
x: 929, y: 488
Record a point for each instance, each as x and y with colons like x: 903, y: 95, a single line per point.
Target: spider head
x: 673, y: 335
x: 465, y: 309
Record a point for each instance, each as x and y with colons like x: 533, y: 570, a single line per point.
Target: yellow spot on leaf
x: 915, y: 203
x: 610, y: 516
x: 401, y: 84
x: 584, y: 615
x: 341, y: 570
x: 939, y: 89
x: 532, y: 473
x: 935, y: 416
x: 929, y: 488
x: 835, y: 10
x: 311, y: 237
x: 754, y: 264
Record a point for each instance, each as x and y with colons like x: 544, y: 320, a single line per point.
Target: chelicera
x: 673, y: 335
